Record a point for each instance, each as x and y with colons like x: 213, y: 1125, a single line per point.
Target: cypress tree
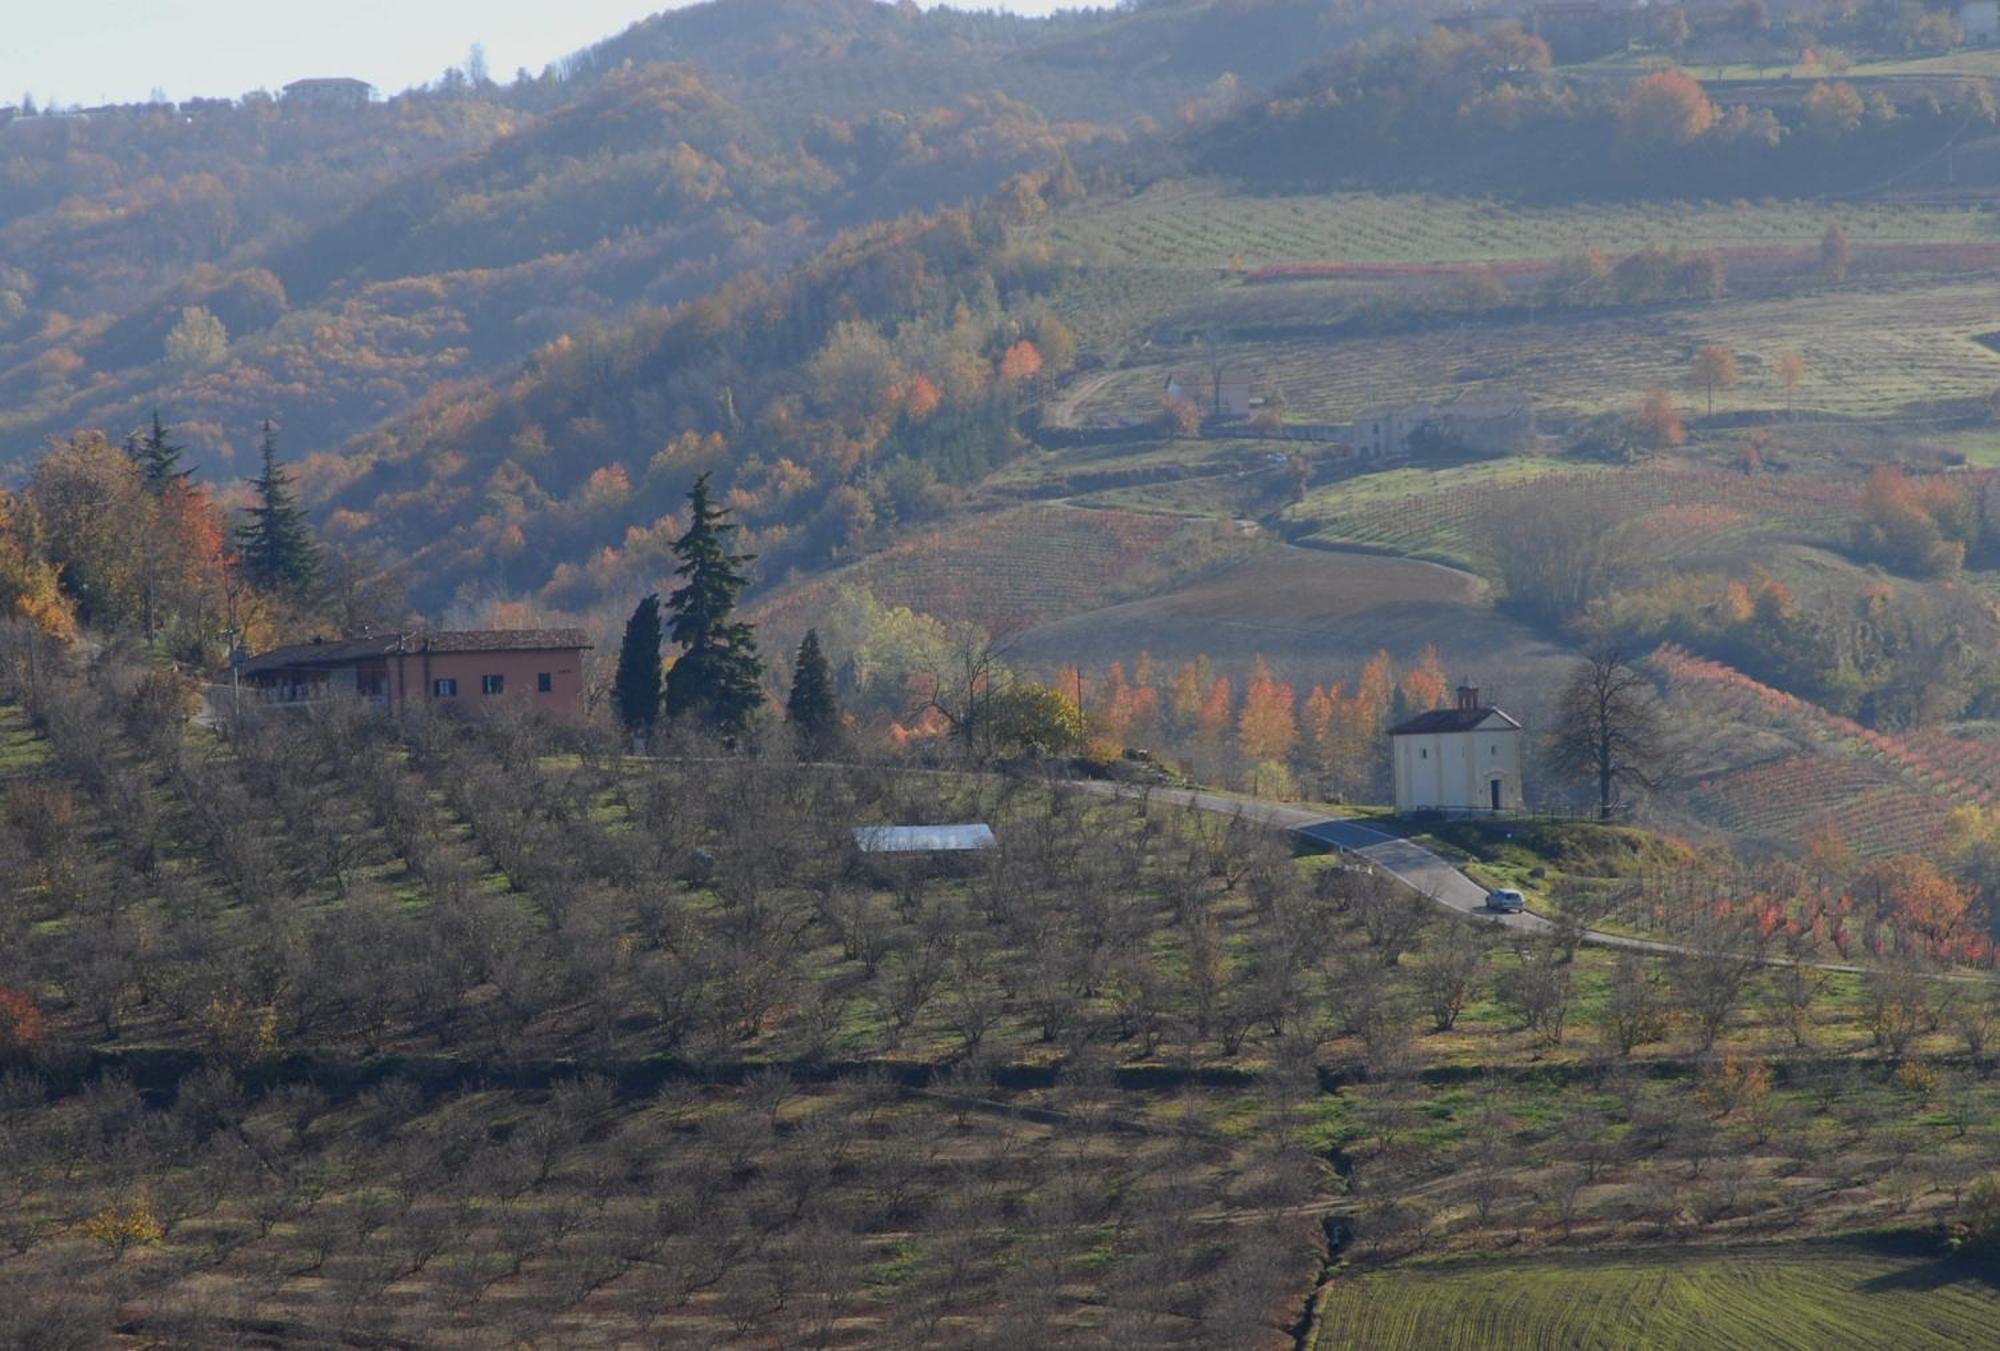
x: 811, y: 711
x: 717, y: 677
x: 159, y: 457
x: 277, y: 544
x: 636, y: 689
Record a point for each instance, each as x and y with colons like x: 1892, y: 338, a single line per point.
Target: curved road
x: 1417, y: 867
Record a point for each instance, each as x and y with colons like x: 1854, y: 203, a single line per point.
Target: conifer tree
x: 636, y: 688
x: 159, y: 457
x: 811, y: 711
x: 279, y: 554
x: 716, y: 679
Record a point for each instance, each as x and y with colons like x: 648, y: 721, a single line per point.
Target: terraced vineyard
x: 1673, y: 512
x: 1813, y: 1296
x: 1185, y: 225
x: 1165, y: 249
x: 1786, y: 799
x: 1885, y: 793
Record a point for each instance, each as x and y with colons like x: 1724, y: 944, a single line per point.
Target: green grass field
x: 1819, y: 1296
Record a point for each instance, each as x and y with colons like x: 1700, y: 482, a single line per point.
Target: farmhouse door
x: 1495, y: 786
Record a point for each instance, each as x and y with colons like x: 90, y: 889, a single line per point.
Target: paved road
x: 1417, y: 866
x: 1400, y: 858
x: 1412, y: 863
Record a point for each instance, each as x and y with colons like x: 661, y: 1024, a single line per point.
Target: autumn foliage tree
x: 20, y: 1023
x: 1923, y: 526
x: 1665, y: 110
x: 1021, y: 363
x: 1713, y: 368
x: 1267, y: 730
x: 1914, y: 895
x: 28, y: 582
x: 1657, y: 422
x: 1790, y: 368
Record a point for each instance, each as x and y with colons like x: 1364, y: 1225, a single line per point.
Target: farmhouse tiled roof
x: 341, y: 651
x: 495, y: 640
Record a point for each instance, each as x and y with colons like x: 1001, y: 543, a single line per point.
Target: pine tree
x: 636, y: 690
x: 716, y: 678
x: 160, y: 458
x: 279, y: 554
x: 811, y: 711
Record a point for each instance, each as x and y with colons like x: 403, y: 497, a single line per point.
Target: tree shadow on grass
x: 1934, y: 1273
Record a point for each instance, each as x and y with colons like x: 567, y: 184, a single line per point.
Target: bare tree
x: 1633, y: 1012
x: 1560, y: 553
x: 964, y: 685
x: 1447, y: 969
x: 1709, y: 973
x: 1609, y: 731
x: 1539, y: 990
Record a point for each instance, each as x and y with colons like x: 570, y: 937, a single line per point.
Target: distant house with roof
x: 336, y: 94
x: 1219, y: 394
x: 461, y: 670
x: 1466, y: 758
x: 1480, y: 421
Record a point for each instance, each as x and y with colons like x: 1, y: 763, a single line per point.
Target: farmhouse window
x: 492, y: 684
x: 445, y: 687
x: 544, y: 683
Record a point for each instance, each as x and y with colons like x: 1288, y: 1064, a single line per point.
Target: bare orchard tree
x: 1609, y: 730
x: 1449, y: 968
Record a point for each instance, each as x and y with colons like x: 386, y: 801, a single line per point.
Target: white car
x: 1505, y: 901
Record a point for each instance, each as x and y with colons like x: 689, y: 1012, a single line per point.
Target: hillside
x: 357, y: 263
x: 344, y: 1029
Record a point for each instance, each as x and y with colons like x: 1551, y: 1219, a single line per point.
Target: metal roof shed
x: 923, y: 839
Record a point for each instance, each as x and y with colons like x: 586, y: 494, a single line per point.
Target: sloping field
x: 1153, y: 253
x: 1673, y: 510
x: 1019, y: 567
x: 1868, y: 353
x: 1786, y: 799
x: 1316, y: 616
x: 1885, y: 793
x: 1188, y: 225
x: 1817, y: 1297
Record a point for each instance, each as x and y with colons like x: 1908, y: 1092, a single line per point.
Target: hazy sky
x: 115, y: 51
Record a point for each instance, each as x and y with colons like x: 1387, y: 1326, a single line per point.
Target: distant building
x: 1476, y: 20
x: 1482, y: 422
x: 329, y: 95
x: 1222, y: 394
x: 924, y: 839
x: 1979, y: 20
x: 1461, y: 759
x: 471, y: 671
x: 45, y: 123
